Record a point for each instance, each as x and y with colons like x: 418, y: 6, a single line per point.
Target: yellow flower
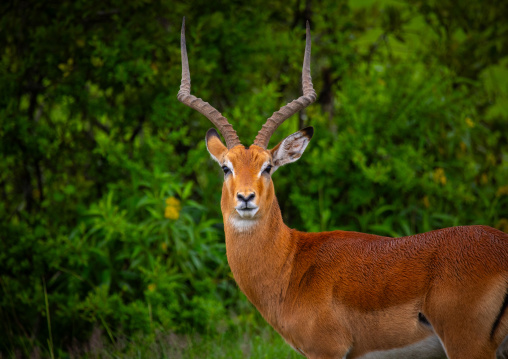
x: 173, y: 202
x: 439, y: 176
x: 426, y: 201
x: 173, y: 208
x: 469, y: 122
x: 151, y: 287
x: 164, y: 246
x: 171, y: 213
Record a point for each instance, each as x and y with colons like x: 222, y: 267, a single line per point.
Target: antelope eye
x: 268, y: 169
x: 226, y: 170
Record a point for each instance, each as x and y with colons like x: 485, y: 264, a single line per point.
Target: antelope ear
x: 291, y: 148
x: 215, y: 145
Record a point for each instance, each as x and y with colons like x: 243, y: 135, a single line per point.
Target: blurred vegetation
x: 111, y: 225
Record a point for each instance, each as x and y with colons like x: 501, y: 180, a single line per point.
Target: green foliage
x: 130, y: 265
x: 409, y: 157
x: 111, y: 228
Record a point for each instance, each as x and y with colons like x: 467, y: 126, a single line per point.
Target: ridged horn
x: 185, y: 97
x: 309, y: 96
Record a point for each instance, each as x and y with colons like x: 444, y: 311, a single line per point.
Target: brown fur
x: 333, y: 294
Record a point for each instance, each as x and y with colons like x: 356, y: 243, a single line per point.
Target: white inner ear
x: 290, y: 149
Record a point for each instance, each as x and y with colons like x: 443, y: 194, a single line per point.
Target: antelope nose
x: 245, y: 197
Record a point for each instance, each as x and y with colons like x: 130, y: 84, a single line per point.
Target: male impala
x: 347, y: 294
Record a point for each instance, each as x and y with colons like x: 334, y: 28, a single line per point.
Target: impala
x: 347, y: 294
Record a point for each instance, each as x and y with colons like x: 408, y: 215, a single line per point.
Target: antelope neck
x: 260, y: 260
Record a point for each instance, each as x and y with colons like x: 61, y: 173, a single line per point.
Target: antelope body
x: 346, y: 294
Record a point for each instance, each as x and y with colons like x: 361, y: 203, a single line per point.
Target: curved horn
x: 198, y: 104
x: 309, y: 96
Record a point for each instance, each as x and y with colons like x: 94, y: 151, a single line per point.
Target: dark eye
x: 226, y: 170
x: 268, y: 169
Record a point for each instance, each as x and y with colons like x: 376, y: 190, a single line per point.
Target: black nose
x: 241, y: 197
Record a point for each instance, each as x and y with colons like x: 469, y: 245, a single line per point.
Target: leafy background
x: 111, y: 233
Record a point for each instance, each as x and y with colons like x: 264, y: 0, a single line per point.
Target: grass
x: 256, y: 341
x: 48, y: 318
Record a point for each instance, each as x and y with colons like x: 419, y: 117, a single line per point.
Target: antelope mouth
x: 246, y: 211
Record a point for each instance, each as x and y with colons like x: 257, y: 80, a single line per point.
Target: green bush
x: 407, y: 153
x: 134, y: 264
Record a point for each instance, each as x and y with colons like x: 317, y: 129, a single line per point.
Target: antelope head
x: 248, y: 193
